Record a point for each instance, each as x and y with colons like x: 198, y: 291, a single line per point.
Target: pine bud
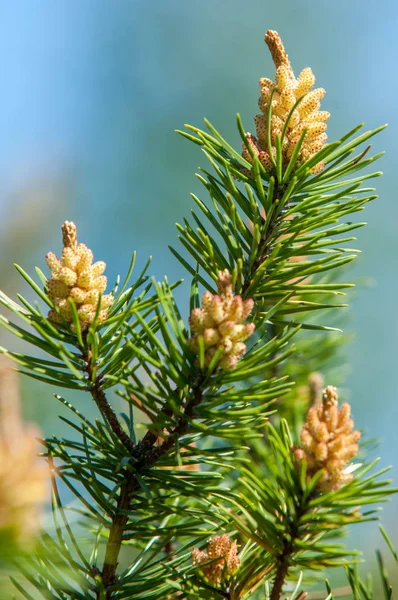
x: 221, y: 557
x: 69, y: 235
x: 328, y: 442
x: 75, y: 277
x: 220, y: 324
x: 86, y: 257
x: 57, y: 289
x: 306, y: 116
x: 68, y: 276
x: 70, y: 258
x: 53, y: 263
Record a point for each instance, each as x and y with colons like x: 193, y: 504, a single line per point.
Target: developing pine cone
x: 222, y: 548
x: 288, y: 89
x: 220, y: 323
x: 75, y: 277
x: 328, y: 441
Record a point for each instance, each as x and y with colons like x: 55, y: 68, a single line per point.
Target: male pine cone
x: 219, y: 324
x: 328, y: 441
x: 219, y: 561
x: 281, y: 98
x: 74, y: 278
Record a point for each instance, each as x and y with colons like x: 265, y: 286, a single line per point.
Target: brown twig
x: 281, y: 574
x: 288, y: 549
x: 116, y: 532
x: 104, y: 407
x: 146, y: 453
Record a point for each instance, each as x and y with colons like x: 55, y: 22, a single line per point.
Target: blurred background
x: 92, y: 93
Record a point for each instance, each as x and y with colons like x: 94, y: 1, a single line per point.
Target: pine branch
x: 288, y: 548
x: 274, y: 228
x: 146, y: 454
x: 291, y: 218
x: 280, y: 578
x: 265, y: 241
x: 114, y: 543
x: 283, y: 510
x: 103, y: 405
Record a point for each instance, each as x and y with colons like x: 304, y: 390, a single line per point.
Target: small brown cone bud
x: 278, y: 52
x: 69, y: 238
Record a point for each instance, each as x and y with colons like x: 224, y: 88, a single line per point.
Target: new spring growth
x: 219, y: 561
x: 328, y: 441
x: 74, y: 278
x: 23, y: 477
x: 220, y: 326
x: 281, y: 97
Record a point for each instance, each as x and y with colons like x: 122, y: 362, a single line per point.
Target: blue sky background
x: 91, y: 95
